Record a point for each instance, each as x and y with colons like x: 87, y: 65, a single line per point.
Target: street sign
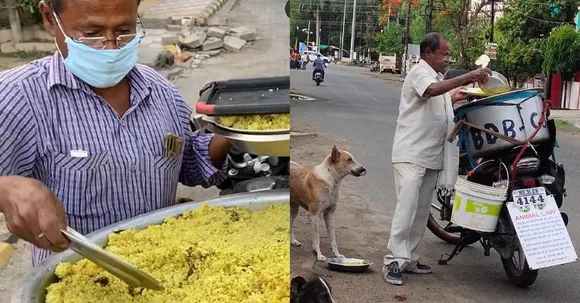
x: 491, y: 50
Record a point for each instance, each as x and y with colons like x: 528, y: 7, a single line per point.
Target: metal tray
x: 33, y: 289
x: 262, y: 145
x: 215, y: 120
x: 342, y: 264
x: 245, y: 97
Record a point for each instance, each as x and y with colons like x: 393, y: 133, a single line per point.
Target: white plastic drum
x: 515, y: 114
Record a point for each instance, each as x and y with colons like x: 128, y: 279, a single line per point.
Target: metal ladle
x: 110, y: 262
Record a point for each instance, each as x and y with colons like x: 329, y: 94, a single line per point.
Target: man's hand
x: 459, y: 95
x: 218, y: 150
x: 480, y: 75
x: 33, y: 212
x: 441, y: 87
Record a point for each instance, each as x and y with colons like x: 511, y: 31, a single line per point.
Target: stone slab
x: 244, y: 33
x: 194, y: 40
x: 216, y: 32
x: 212, y: 43
x: 233, y: 44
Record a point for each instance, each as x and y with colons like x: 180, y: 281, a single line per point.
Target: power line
x: 540, y: 20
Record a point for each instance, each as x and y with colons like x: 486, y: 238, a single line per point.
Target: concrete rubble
x: 243, y: 33
x: 233, y: 44
x: 212, y: 43
x: 194, y: 44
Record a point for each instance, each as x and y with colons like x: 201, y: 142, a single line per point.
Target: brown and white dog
x: 316, y: 190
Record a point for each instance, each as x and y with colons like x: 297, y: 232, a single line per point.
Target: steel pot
x: 33, y: 289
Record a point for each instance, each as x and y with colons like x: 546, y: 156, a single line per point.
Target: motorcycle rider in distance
x: 318, y: 67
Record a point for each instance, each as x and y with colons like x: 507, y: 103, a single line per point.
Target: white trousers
x: 415, y: 186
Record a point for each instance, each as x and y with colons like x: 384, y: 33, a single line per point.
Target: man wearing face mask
x: 84, y: 133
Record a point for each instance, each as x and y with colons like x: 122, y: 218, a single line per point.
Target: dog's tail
x: 311, y: 261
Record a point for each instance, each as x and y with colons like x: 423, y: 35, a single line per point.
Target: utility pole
x: 342, y: 32
x: 317, y: 29
x: 407, y: 22
x: 308, y: 36
x: 429, y: 23
x: 492, y: 20
x: 360, y: 52
x: 389, y: 19
x: 352, y: 31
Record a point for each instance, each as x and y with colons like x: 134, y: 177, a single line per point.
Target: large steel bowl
x: 33, y: 289
x: 261, y: 143
x: 277, y: 145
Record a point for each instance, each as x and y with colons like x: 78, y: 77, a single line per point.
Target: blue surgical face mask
x: 100, y: 68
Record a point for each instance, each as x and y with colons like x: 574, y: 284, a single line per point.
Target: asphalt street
x: 359, y: 112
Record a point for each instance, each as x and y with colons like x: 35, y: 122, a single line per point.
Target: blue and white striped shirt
x: 46, y: 112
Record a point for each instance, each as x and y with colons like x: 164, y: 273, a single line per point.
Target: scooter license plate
x: 529, y: 196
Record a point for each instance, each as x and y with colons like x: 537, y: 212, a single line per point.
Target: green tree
x: 562, y: 51
x: 389, y: 40
x: 521, y: 36
x: 462, y: 24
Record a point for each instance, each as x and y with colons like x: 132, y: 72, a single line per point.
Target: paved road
x: 360, y: 112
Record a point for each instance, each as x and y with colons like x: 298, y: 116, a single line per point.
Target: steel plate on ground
x: 348, y: 264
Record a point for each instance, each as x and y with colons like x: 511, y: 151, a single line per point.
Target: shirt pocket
x: 83, y: 184
x: 164, y: 164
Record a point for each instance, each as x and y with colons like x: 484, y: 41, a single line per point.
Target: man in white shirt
x: 418, y: 151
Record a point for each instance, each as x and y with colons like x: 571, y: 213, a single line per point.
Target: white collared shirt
x: 422, y: 121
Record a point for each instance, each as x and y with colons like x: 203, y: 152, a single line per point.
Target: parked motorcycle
x: 494, y: 160
x: 374, y: 67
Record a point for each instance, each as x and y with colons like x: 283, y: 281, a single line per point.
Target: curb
x: 208, y: 12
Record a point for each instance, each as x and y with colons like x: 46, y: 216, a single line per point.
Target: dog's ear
x: 335, y: 155
x: 296, y: 287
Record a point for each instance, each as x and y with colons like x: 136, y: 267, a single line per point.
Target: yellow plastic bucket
x: 477, y: 206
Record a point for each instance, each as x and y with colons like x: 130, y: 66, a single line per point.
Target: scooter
x: 318, y: 78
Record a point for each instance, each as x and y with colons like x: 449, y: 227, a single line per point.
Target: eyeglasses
x: 101, y: 42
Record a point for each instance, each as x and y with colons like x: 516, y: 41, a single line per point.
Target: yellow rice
x: 209, y: 255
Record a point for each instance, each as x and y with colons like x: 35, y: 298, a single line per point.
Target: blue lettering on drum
x: 534, y: 123
x: 476, y: 138
x: 508, y: 130
x: 490, y: 139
